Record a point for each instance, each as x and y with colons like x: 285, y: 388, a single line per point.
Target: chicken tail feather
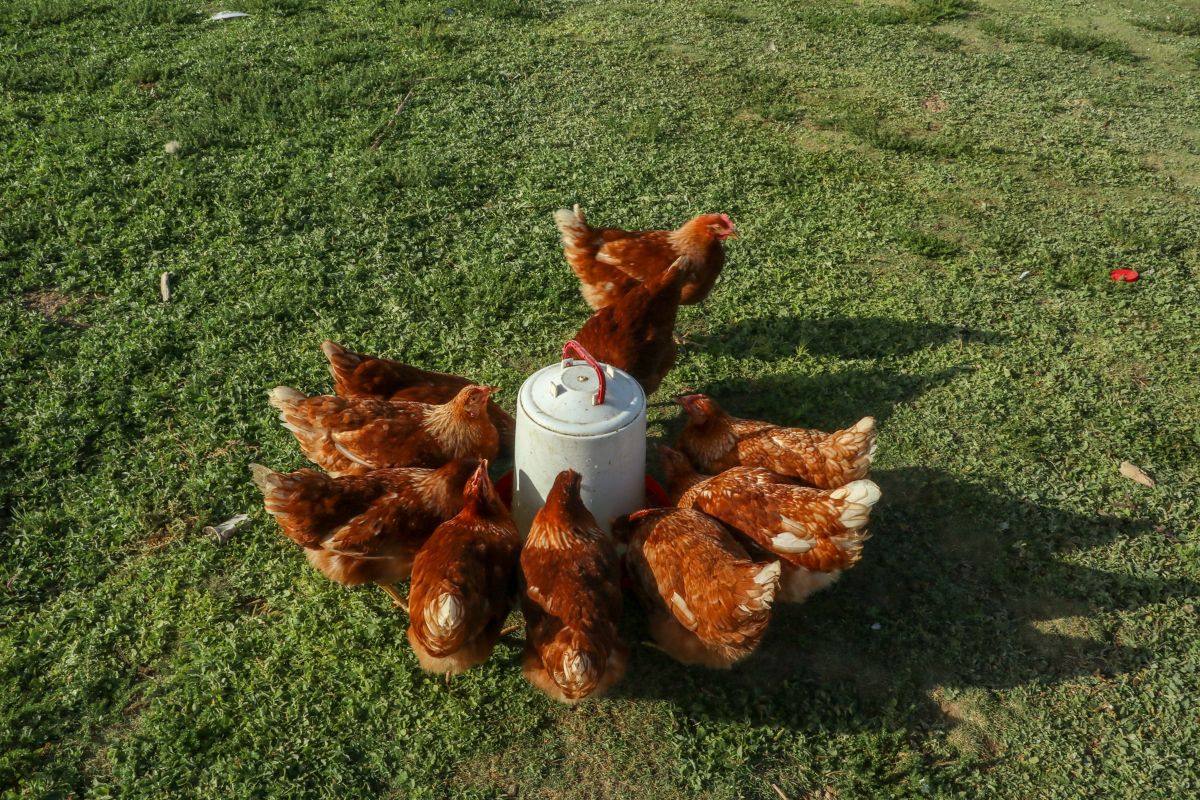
x: 285, y: 398
x: 852, y: 448
x: 342, y: 362
x: 300, y: 501
x: 575, y: 230
x: 445, y: 621
x: 856, y: 499
x: 574, y: 665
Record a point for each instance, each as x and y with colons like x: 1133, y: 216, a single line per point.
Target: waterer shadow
x: 960, y: 586
x: 772, y: 338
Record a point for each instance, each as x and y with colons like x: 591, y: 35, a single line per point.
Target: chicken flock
x: 762, y: 514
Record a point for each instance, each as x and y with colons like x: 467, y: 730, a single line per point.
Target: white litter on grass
x: 164, y: 286
x: 1135, y: 473
x: 225, y: 530
x: 1024, y: 274
x: 220, y: 15
x: 875, y: 626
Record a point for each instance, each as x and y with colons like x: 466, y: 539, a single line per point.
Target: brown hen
x: 610, y: 262
x: 361, y: 529
x: 716, y: 441
x: 571, y: 599
x: 818, y: 533
x: 354, y: 436
x: 362, y: 376
x: 636, y: 333
x: 681, y: 476
x: 463, y: 582
x: 708, y: 603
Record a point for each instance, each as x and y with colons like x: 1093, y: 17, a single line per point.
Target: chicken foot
x: 397, y: 598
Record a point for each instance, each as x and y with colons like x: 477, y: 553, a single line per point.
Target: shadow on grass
x: 968, y: 588
x: 772, y: 338
x: 824, y: 401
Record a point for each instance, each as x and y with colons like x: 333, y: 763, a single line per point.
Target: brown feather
x: 571, y: 599
x: 357, y: 375
x: 463, y: 582
x: 819, y: 530
x: 636, y: 333
x: 360, y: 529
x: 715, y: 441
x: 354, y: 436
x: 708, y: 603
x: 610, y: 262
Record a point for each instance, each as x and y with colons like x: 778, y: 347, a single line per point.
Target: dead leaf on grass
x: 1136, y: 474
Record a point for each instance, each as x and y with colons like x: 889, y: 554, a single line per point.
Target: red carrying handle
x: 593, y: 363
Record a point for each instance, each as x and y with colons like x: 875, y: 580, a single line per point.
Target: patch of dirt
x: 970, y: 732
x: 584, y: 756
x: 935, y: 103
x: 52, y: 306
x: 824, y: 793
x: 230, y: 447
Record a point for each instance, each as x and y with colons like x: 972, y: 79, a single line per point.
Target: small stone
x: 172, y: 148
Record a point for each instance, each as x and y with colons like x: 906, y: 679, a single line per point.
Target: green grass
x: 922, y: 12
x: 1023, y: 623
x: 1091, y: 44
x: 1179, y: 24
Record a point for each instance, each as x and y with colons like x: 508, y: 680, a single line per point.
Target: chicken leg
x: 397, y: 598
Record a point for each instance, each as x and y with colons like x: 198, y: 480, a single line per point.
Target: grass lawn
x: 931, y: 194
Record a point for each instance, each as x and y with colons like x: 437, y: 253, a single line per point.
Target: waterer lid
x: 582, y: 397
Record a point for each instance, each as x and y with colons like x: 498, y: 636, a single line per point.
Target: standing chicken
x: 716, y: 441
x: 636, y: 333
x: 817, y: 533
x: 359, y: 529
x: 353, y: 437
x: 463, y: 582
x: 362, y: 376
x: 571, y: 600
x: 708, y: 603
x: 611, y: 261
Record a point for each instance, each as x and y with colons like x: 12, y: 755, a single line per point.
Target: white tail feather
x: 356, y: 459
x: 682, y: 607
x: 576, y: 667
x: 768, y: 573
x: 444, y: 615
x: 282, y: 397
x: 862, y: 492
x: 571, y: 224
x: 790, y: 543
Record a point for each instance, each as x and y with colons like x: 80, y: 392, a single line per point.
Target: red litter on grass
x: 1124, y: 275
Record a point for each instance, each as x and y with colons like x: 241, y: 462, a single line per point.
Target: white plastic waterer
x: 585, y: 416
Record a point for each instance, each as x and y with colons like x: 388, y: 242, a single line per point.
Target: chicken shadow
x: 961, y: 586
x: 773, y: 338
x: 825, y: 401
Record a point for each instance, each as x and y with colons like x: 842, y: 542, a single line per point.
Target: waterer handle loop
x: 593, y: 363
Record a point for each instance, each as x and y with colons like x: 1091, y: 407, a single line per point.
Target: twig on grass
x: 392, y: 119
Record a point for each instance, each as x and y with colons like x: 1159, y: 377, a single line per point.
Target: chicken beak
x: 686, y: 400
x: 475, y: 485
